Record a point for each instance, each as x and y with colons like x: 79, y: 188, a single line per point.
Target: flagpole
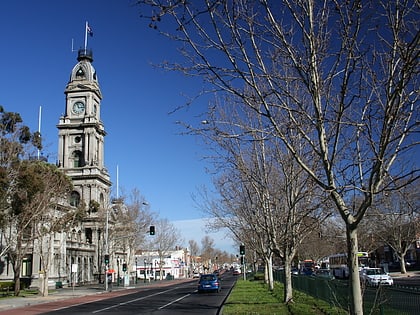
x: 86, y: 31
x: 39, y: 124
x: 118, y: 194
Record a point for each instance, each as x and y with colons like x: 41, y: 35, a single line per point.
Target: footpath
x: 65, y: 293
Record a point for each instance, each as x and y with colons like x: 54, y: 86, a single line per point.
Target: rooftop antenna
x: 72, y: 45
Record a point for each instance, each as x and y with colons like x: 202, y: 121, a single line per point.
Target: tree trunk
x: 270, y: 272
x: 356, y: 304
x: 266, y: 271
x: 288, y: 288
x: 17, y: 283
x: 43, y: 278
x: 402, y: 266
x: 16, y: 277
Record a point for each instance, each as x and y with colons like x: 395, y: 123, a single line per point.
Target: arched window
x: 77, y: 159
x: 74, y: 199
x: 101, y: 200
x: 80, y: 72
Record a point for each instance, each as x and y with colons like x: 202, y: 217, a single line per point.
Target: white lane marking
x: 177, y: 300
x: 131, y: 301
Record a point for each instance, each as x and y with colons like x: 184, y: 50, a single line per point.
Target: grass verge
x: 253, y: 297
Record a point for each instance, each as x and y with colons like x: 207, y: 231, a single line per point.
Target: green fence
x: 382, y: 300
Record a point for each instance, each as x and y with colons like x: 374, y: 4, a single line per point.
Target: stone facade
x: 77, y: 255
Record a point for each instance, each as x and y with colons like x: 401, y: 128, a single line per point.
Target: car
x: 375, y: 277
x: 295, y: 271
x: 307, y: 271
x: 236, y: 271
x: 196, y: 275
x: 208, y: 283
x: 324, y: 274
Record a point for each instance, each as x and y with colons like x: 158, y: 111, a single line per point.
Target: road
x: 181, y: 298
x: 412, y: 281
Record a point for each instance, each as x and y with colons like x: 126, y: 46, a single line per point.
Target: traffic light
x: 242, y: 260
x: 124, y: 267
x: 106, y: 259
x: 152, y: 230
x: 242, y: 249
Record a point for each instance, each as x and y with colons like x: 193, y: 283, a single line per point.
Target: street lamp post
x: 106, y: 248
x: 136, y: 270
x: 118, y: 270
x: 151, y: 270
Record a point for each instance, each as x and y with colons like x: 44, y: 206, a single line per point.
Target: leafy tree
x: 34, y: 214
x: 343, y: 75
x: 52, y: 213
x: 16, y: 145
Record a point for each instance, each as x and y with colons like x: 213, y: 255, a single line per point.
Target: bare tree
x: 323, y: 70
x: 132, y: 223
x: 167, y: 237
x: 268, y: 202
x: 194, y: 253
x: 207, y: 252
x: 397, y: 217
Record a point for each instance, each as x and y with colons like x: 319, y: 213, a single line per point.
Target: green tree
x: 53, y: 213
x: 17, y: 142
x: 36, y: 214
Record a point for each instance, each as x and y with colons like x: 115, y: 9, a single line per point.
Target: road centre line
x: 177, y: 300
x: 131, y: 301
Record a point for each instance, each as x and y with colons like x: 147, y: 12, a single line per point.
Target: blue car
x: 209, y: 283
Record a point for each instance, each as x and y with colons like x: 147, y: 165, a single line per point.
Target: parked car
x: 209, y: 282
x: 196, y: 274
x: 307, y: 271
x: 375, y: 277
x: 236, y: 271
x: 295, y: 271
x: 324, y: 274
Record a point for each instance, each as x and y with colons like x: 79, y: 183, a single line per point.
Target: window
x: 88, y: 235
x: 80, y: 72
x: 77, y: 159
x: 74, y: 199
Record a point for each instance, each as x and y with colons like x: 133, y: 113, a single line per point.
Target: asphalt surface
x: 7, y: 304
x: 94, y: 291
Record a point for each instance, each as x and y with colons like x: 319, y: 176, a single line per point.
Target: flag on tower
x: 89, y: 30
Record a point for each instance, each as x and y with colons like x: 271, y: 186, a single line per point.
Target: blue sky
x: 143, y: 139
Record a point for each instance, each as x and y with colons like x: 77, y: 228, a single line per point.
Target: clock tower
x: 81, y: 134
x: 81, y: 157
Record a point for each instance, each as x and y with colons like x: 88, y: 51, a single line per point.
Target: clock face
x: 78, y: 107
